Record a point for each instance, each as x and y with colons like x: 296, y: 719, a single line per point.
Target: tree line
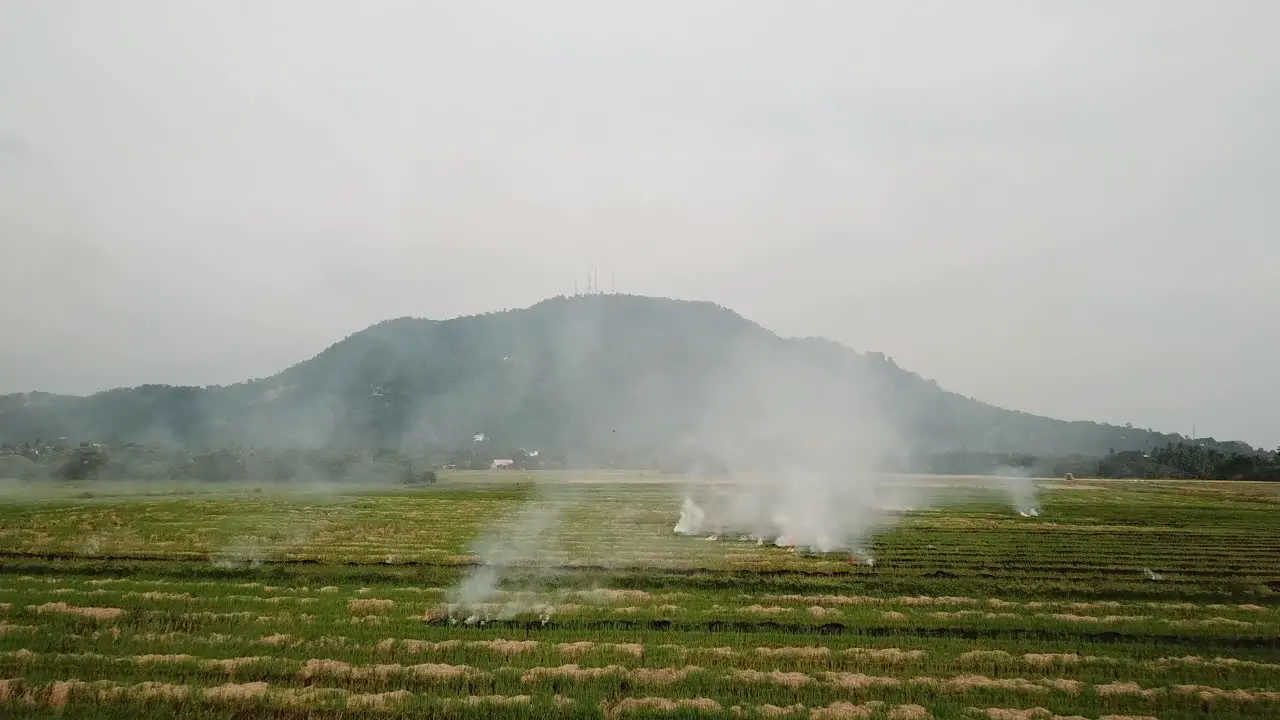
x: 37, y: 460
x: 93, y: 461
x: 1178, y: 461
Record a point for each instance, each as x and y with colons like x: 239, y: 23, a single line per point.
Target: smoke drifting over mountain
x: 798, y: 440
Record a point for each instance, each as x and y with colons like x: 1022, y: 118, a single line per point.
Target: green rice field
x: 1123, y: 600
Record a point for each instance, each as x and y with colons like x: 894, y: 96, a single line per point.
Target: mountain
x: 587, y: 377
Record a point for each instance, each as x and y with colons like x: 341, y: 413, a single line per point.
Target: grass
x: 240, y: 602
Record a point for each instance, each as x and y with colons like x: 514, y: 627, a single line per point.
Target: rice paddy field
x: 1122, y: 600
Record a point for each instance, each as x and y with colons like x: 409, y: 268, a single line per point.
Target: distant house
x: 501, y: 464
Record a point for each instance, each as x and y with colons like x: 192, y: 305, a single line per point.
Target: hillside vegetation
x: 602, y: 378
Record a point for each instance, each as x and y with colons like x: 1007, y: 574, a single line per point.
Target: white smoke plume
x: 243, y: 552
x: 805, y: 510
x: 792, y: 436
x: 1021, y: 489
x: 802, y: 452
x: 691, y: 518
x: 525, y: 541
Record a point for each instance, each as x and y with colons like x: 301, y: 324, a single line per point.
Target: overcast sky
x: 1069, y: 208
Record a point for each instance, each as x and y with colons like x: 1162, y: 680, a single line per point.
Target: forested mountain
x: 585, y: 377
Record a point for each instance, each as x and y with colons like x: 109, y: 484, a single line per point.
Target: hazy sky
x: 1069, y: 207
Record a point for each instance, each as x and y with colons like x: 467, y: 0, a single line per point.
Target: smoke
x: 691, y: 518
x: 803, y: 438
x: 802, y: 509
x: 798, y: 432
x: 1020, y: 488
x: 243, y: 552
x: 523, y: 543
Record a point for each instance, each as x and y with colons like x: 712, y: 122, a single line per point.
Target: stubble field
x: 1123, y: 600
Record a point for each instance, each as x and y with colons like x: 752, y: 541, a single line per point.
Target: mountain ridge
x: 590, y: 376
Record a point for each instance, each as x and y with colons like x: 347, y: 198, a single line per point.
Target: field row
x: 1095, y: 562
x: 488, y: 660
x: 374, y: 612
x: 616, y: 693
x: 656, y: 543
x: 243, y: 629
x: 209, y: 592
x: 1134, y: 588
x: 111, y: 699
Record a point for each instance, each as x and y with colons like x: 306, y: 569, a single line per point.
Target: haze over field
x: 1061, y: 207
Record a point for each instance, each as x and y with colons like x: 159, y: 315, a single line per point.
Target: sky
x: 1064, y: 207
